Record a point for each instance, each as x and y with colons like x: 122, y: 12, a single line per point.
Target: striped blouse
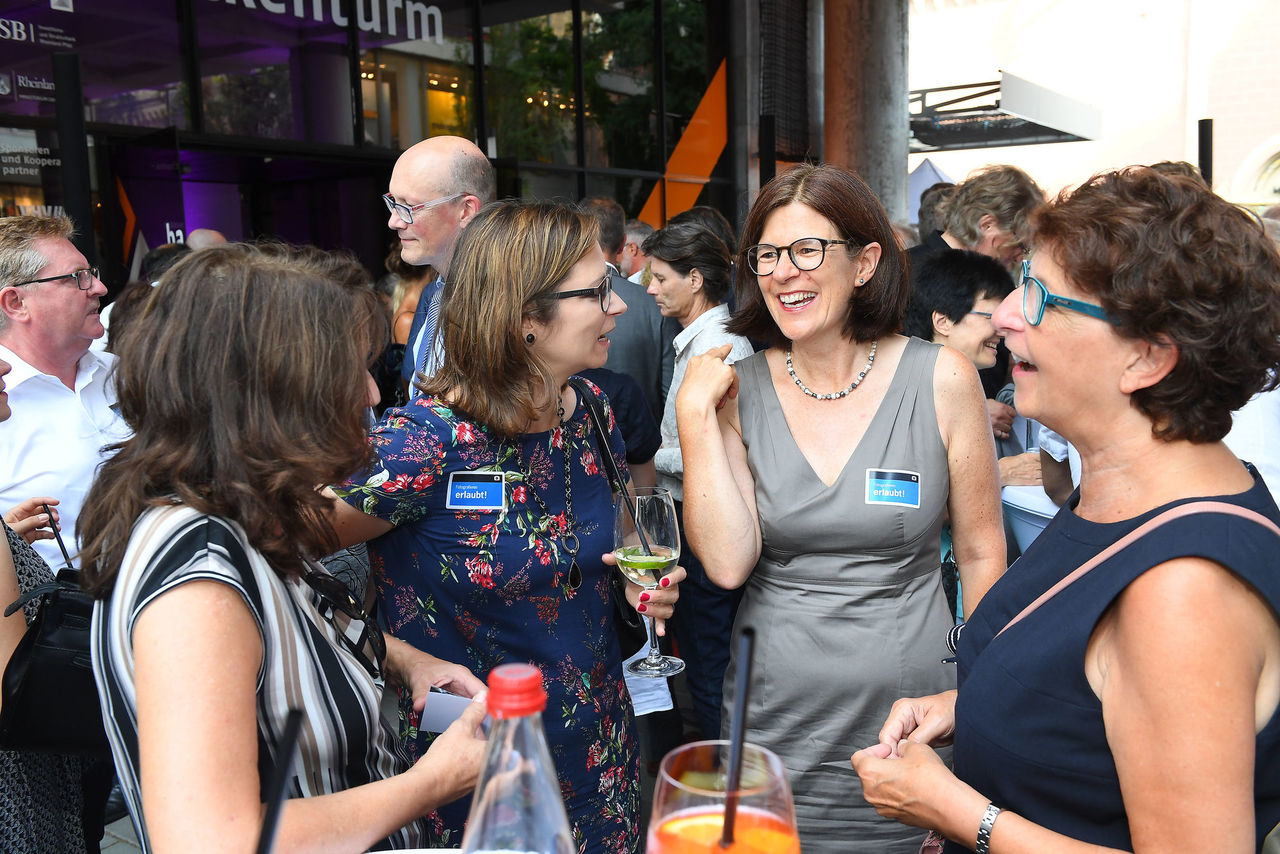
x: 344, y: 741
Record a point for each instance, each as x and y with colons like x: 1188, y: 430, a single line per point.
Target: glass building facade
x: 283, y: 118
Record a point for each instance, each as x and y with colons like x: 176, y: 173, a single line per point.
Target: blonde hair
x: 508, y: 259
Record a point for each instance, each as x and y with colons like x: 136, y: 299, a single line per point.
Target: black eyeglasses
x: 602, y: 291
x: 358, y: 631
x: 84, y: 278
x: 807, y: 253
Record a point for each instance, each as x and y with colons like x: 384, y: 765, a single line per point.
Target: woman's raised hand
x: 708, y: 382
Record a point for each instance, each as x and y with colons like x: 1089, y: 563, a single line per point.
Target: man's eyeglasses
x: 406, y: 212
x: 1036, y: 297
x: 358, y: 631
x: 84, y: 278
x: 807, y: 253
x: 602, y: 291
x: 988, y: 315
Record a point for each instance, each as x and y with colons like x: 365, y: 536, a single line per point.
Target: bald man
x: 437, y: 187
x: 203, y: 238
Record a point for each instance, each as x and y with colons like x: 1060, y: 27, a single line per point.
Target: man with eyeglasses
x: 437, y: 186
x: 986, y: 213
x: 61, y: 394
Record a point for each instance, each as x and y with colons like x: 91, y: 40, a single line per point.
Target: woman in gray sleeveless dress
x: 821, y: 485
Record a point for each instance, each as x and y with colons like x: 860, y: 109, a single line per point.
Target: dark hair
x: 510, y: 256
x: 950, y: 282
x: 127, y: 306
x: 1005, y: 192
x: 875, y: 309
x: 155, y: 262
x: 710, y: 219
x: 929, y: 219
x: 1173, y: 263
x: 611, y: 221
x: 244, y: 385
x: 689, y: 245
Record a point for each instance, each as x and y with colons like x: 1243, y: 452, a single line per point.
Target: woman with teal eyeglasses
x: 1119, y: 686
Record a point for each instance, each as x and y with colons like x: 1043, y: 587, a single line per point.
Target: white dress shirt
x: 53, y: 442
x: 707, y: 332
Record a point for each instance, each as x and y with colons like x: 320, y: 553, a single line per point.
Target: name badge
x: 476, y: 490
x: 900, y: 488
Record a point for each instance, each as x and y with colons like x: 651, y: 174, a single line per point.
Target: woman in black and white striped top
x: 245, y: 385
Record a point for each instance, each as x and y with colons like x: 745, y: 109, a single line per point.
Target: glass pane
x: 130, y: 70
x: 274, y: 74
x: 547, y: 185
x: 621, y: 115
x: 529, y: 87
x: 631, y: 193
x: 408, y: 98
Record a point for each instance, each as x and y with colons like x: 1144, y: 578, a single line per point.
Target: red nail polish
x: 666, y: 582
x: 642, y: 608
x: 644, y: 597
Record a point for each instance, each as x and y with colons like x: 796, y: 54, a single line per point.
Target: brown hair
x: 875, y: 309
x: 244, y: 384
x: 1005, y: 192
x: 1173, y: 263
x: 508, y: 258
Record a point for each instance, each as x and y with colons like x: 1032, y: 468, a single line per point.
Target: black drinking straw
x: 53, y: 526
x: 737, y: 732
x: 279, y: 776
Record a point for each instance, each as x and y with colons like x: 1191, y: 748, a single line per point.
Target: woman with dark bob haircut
x: 245, y: 382
x: 518, y: 575
x: 822, y: 484
x: 1120, y: 685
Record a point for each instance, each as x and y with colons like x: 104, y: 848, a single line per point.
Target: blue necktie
x: 429, y: 331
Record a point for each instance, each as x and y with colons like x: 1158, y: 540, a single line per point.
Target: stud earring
x: 861, y: 281
x: 529, y: 338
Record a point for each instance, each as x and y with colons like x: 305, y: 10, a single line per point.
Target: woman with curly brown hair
x: 1120, y: 685
x: 245, y: 383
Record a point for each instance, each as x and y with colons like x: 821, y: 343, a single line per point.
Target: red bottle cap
x: 515, y: 690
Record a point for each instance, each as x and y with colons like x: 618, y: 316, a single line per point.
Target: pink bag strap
x: 1138, y: 533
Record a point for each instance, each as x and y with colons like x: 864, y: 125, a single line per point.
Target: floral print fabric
x: 487, y: 587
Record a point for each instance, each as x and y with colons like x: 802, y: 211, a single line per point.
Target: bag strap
x: 1173, y: 513
x: 595, y: 414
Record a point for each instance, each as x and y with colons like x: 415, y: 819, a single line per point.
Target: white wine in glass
x: 646, y: 542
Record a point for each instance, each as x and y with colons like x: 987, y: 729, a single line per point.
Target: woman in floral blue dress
x: 493, y: 514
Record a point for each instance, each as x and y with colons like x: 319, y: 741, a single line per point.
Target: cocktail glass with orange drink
x: 690, y: 802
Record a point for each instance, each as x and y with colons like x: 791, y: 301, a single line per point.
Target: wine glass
x: 646, y: 542
x: 690, y: 803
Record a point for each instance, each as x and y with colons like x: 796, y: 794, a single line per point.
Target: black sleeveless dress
x: 1029, y: 730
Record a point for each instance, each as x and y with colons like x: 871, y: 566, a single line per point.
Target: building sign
x: 384, y: 17
x: 44, y: 35
x: 23, y: 165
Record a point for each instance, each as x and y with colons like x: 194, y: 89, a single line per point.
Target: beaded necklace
x: 834, y: 395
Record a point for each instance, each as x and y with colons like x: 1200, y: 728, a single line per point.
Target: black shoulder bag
x: 50, y: 700
x: 627, y: 625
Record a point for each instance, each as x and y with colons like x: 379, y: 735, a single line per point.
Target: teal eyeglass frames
x: 1036, y: 297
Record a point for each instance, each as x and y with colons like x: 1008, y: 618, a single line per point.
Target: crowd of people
x: 834, y: 412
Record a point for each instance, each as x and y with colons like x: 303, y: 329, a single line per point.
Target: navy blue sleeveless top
x: 1029, y: 732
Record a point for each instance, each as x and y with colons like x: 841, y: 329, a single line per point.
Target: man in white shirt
x: 437, y: 186
x: 60, y: 393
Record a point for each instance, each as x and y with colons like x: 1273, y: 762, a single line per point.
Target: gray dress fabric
x: 846, y: 599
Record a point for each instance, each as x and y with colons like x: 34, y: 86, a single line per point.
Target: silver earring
x: 861, y: 281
